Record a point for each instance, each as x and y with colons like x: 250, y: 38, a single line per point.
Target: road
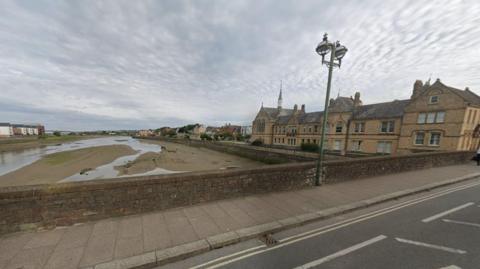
x: 433, y: 230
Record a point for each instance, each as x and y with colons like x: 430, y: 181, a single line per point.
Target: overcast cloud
x: 87, y: 65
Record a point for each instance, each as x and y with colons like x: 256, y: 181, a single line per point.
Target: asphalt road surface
x: 431, y: 230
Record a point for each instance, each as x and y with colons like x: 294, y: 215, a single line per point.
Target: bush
x: 57, y: 133
x: 311, y: 147
x: 205, y: 137
x: 257, y: 142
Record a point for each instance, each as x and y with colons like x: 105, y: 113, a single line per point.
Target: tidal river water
x: 13, y: 160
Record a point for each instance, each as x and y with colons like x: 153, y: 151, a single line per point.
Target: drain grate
x: 268, y: 240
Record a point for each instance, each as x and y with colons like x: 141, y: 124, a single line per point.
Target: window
x: 384, y: 147
x: 356, y: 145
x: 339, y: 127
x: 387, y: 127
x: 359, y: 127
x: 421, y: 118
x: 434, y: 139
x: 310, y: 129
x: 440, y: 117
x: 314, y: 141
x: 419, y: 138
x: 337, y: 145
x: 316, y: 128
x: 433, y: 99
x: 431, y: 117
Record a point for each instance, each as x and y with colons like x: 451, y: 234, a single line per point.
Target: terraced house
x: 436, y: 117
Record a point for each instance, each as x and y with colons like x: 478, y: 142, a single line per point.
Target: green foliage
x: 205, y: 137
x: 240, y: 137
x: 257, y: 142
x: 171, y: 133
x: 57, y: 133
x: 311, y: 147
x: 187, y: 128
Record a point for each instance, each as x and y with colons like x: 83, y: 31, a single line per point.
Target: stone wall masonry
x: 31, y: 207
x: 337, y: 171
x: 262, y: 154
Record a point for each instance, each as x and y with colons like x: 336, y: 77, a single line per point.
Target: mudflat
x: 178, y: 157
x: 57, y: 166
x: 12, y: 144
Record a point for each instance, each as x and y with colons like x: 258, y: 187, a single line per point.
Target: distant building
x: 146, y: 133
x: 197, y: 131
x: 436, y: 117
x: 8, y: 130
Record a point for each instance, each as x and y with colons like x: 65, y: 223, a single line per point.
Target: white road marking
x: 451, y: 267
x: 341, y: 252
x: 447, y: 249
x: 227, y: 256
x: 335, y: 226
x: 439, y: 215
x: 462, y: 222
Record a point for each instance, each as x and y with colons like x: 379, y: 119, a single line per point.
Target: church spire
x: 280, y: 97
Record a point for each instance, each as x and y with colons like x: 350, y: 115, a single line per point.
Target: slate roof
x: 312, y: 117
x: 4, y: 124
x: 341, y: 104
x: 273, y: 112
x: 392, y: 109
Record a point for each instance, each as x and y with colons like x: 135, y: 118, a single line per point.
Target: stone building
x: 436, y: 117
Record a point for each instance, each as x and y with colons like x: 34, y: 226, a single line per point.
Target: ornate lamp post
x: 337, y: 52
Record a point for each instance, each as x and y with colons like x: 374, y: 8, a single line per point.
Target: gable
x: 446, y: 100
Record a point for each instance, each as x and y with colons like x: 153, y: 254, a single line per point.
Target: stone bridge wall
x: 30, y: 207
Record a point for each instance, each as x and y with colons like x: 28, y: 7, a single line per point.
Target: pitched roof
x: 312, y: 117
x: 340, y: 104
x: 466, y: 95
x: 392, y: 109
x: 275, y: 112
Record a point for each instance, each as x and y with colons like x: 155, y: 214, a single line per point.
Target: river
x: 13, y: 160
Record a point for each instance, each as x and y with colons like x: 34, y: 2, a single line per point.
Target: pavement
x: 167, y: 236
x: 435, y: 230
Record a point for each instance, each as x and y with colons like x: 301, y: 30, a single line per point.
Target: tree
x: 257, y: 142
x: 311, y: 147
x: 57, y: 133
x: 205, y: 136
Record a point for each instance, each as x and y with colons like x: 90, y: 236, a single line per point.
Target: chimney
x: 417, y: 87
x: 332, y: 101
x: 303, y: 108
x: 356, y: 100
x: 467, y: 89
x: 295, y: 107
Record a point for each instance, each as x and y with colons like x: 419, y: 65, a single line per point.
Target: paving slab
x: 155, y: 232
x: 165, y: 236
x: 101, y: 244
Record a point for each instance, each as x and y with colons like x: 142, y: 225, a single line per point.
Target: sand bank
x: 54, y: 167
x: 177, y: 157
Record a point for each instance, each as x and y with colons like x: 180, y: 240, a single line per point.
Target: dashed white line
x: 447, y: 249
x: 451, y: 267
x: 439, y: 215
x: 342, y: 252
x: 325, y: 229
x: 462, y: 222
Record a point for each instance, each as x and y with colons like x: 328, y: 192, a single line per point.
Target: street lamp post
x: 337, y: 52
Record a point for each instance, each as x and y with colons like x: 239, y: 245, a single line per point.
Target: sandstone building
x: 436, y: 117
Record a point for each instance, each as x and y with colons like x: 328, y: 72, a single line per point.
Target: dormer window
x: 433, y: 99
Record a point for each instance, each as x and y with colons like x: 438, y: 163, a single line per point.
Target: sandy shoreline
x: 178, y: 157
x: 12, y: 144
x: 57, y: 166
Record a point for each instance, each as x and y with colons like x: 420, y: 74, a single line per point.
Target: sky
x: 96, y: 65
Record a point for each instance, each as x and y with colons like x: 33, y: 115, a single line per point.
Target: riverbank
x: 12, y: 144
x: 57, y: 166
x: 178, y: 157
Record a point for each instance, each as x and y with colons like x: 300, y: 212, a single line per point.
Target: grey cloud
x: 151, y: 63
